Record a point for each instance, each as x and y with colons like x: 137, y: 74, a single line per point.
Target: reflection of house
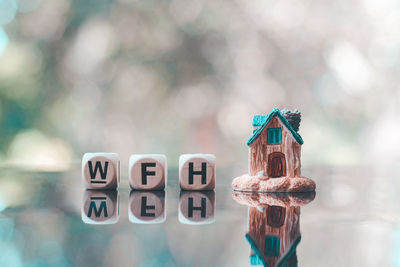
x: 274, y: 233
x: 274, y: 225
x: 275, y: 144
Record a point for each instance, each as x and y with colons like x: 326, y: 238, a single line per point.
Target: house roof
x: 253, y: 246
x: 262, y: 121
x: 259, y: 259
x: 292, y: 250
x: 258, y: 120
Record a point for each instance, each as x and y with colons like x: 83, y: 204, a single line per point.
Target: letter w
x: 97, y: 212
x: 103, y: 173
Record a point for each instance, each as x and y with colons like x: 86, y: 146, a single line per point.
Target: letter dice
x: 100, y: 170
x: 147, y: 207
x: 100, y: 207
x: 148, y: 172
x: 197, y: 171
x: 196, y: 207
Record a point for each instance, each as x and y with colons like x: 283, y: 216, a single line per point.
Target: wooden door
x: 276, y: 216
x: 276, y: 165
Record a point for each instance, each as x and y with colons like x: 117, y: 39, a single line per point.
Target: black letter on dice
x: 203, y: 173
x: 97, y: 166
x: 202, y: 208
x: 145, y: 207
x: 97, y: 212
x: 145, y: 172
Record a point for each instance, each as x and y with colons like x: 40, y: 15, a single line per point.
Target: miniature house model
x: 275, y: 144
x: 274, y: 155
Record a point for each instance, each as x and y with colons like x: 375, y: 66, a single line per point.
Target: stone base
x: 255, y: 199
x: 249, y: 183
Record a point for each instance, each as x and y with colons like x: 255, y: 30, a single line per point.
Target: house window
x: 271, y: 246
x: 274, y: 136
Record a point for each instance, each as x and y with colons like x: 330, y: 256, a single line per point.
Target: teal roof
x: 255, y: 260
x: 262, y: 122
x: 292, y: 250
x: 258, y: 120
x: 258, y: 259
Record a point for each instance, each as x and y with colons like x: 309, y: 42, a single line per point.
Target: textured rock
x: 250, y: 183
x: 254, y: 199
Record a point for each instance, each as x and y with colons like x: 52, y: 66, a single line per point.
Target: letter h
x: 203, y: 173
x: 202, y: 208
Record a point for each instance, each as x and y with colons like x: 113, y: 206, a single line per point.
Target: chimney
x: 293, y: 117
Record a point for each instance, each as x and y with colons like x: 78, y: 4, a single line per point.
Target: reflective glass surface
x: 49, y: 219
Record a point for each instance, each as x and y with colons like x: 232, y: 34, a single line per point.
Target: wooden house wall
x: 287, y: 233
x: 260, y: 149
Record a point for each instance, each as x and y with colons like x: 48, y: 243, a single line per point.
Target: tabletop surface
x: 353, y: 221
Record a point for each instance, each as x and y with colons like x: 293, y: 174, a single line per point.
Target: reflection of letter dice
x: 100, y: 170
x: 197, y: 171
x: 197, y: 207
x: 100, y: 207
x: 148, y: 172
x: 147, y: 207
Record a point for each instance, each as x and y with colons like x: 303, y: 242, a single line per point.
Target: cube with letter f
x: 148, y: 171
x: 147, y: 207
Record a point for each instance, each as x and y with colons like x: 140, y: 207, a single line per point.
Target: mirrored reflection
x: 147, y: 207
x: 274, y: 226
x: 100, y: 207
x: 196, y: 207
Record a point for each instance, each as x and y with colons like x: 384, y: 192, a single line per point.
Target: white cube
x: 148, y: 171
x: 101, y: 170
x: 197, y: 171
x: 197, y: 207
x: 100, y: 207
x: 147, y: 207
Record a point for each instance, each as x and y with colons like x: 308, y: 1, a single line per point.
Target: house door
x: 276, y: 216
x: 276, y: 164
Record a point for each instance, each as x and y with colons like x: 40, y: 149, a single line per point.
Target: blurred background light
x: 8, y: 9
x: 10, y: 255
x: 128, y: 75
x: 351, y: 67
x: 3, y: 41
x: 26, y: 6
x: 36, y: 151
x: 93, y: 44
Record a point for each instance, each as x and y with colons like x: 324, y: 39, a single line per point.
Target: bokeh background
x: 184, y: 76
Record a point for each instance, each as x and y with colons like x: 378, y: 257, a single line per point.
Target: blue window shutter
x: 272, y: 246
x: 274, y: 136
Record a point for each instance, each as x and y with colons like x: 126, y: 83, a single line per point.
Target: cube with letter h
x: 197, y: 207
x: 197, y: 171
x: 148, y: 172
x: 101, y: 170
